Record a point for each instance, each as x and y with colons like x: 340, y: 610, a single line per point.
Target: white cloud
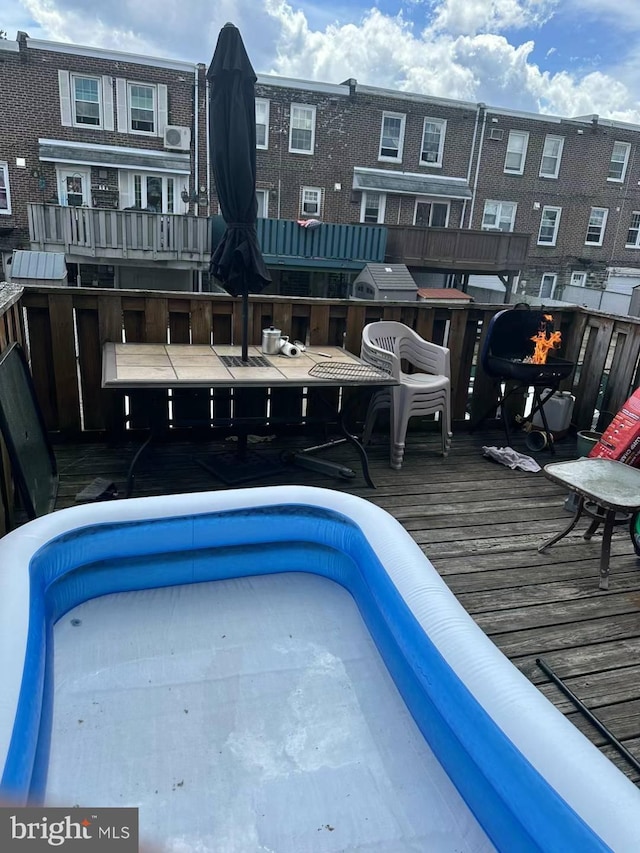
x: 468, y: 17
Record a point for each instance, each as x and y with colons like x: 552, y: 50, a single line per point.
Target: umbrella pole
x: 245, y: 326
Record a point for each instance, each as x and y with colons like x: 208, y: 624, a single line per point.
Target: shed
x: 385, y: 281
x: 38, y: 268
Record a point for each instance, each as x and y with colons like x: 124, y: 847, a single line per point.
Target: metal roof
x: 43, y: 266
x: 408, y: 183
x: 57, y: 151
x: 388, y: 276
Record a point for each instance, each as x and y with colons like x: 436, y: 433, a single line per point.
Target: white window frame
x: 551, y: 140
x: 74, y: 117
x: 596, y: 211
x: 554, y: 277
x: 292, y: 127
x: 558, y: 211
x: 263, y: 104
x: 4, y: 170
x: 578, y: 278
x: 382, y: 205
x: 634, y: 226
x: 431, y: 201
x: 625, y: 161
x: 437, y: 163
x: 154, y: 89
x: 320, y: 197
x: 512, y: 135
x: 265, y: 203
x: 499, y: 217
x: 385, y: 157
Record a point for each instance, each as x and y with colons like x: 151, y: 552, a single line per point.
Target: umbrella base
x: 235, y: 467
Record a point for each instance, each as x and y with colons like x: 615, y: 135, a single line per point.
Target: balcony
x: 332, y: 245
x: 456, y: 249
x: 83, y: 233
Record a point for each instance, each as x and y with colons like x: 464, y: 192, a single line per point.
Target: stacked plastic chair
x: 424, y: 391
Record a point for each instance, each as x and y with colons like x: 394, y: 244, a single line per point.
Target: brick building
x: 98, y: 143
x: 93, y: 132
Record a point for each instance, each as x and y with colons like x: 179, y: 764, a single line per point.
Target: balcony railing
x: 285, y: 242
x: 90, y: 232
x: 455, y: 248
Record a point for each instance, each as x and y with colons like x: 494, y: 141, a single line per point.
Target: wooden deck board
x: 480, y: 524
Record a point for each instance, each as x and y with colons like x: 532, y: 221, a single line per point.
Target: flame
x: 545, y: 341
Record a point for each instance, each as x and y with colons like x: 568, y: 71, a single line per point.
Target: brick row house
x: 96, y: 144
x: 105, y: 157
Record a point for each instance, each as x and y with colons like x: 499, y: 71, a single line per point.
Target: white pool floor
x: 245, y: 715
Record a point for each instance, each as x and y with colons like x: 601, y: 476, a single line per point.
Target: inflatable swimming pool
x: 367, y: 707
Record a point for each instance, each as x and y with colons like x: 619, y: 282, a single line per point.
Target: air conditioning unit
x: 177, y: 137
x: 496, y: 133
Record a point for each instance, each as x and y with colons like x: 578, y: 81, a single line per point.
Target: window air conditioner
x: 177, y: 137
x: 496, y: 133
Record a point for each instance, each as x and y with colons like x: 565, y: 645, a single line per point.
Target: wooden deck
x: 480, y: 524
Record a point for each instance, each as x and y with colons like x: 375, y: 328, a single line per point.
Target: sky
x: 560, y: 57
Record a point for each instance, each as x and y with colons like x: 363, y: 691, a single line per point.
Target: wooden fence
x: 11, y: 331
x: 66, y: 328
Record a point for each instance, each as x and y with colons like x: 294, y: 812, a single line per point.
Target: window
x: 432, y: 141
x: 431, y: 213
x: 392, y: 137
x: 549, y: 223
x: 86, y: 100
x: 619, y: 160
x: 548, y: 285
x: 5, y: 195
x: 155, y: 192
x: 596, y: 226
x: 516, y: 152
x: 311, y: 202
x: 633, y: 234
x: 302, y: 130
x: 262, y: 123
x: 578, y: 279
x: 142, y: 108
x: 373, y: 207
x: 551, y: 156
x: 499, y: 215
x: 262, y: 197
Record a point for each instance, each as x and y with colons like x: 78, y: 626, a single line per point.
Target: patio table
x: 134, y: 366
x: 608, y: 493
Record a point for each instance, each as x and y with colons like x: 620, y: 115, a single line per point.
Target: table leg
x: 605, y: 554
x: 567, y: 529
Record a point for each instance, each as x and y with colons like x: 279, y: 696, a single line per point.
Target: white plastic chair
x: 428, y: 391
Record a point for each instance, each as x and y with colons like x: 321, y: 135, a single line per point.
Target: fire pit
x: 518, y: 348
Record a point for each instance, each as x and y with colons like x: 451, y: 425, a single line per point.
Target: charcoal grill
x: 507, y: 344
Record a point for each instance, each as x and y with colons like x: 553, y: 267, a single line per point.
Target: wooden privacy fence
x: 11, y: 331
x: 66, y: 328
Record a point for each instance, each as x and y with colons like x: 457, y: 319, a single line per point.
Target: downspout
x: 195, y: 138
x: 208, y: 147
x: 470, y: 166
x: 481, y: 108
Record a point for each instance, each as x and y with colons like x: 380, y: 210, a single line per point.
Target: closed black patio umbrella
x: 237, y: 261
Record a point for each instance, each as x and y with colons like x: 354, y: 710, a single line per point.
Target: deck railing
x: 89, y: 232
x: 66, y: 328
x: 455, y: 248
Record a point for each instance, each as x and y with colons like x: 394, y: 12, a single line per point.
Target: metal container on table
x: 271, y: 340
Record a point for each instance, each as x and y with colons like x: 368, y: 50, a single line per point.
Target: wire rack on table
x: 348, y: 371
